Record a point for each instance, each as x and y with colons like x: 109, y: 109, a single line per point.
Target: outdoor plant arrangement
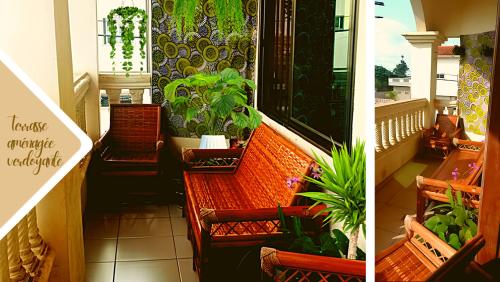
x: 453, y: 222
x: 229, y: 14
x: 344, y: 182
x: 127, y: 17
x: 333, y: 243
x: 224, y: 97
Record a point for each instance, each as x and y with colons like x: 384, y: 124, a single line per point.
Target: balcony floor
x: 396, y: 197
x: 145, y: 242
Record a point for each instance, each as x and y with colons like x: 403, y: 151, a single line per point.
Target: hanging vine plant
x: 127, y: 17
x: 229, y: 14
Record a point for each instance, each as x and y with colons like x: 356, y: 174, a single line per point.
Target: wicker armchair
x: 442, y: 133
x: 224, y: 207
x: 422, y: 256
x: 462, y: 170
x: 133, y: 142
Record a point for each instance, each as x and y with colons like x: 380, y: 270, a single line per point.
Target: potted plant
x: 224, y: 96
x: 453, y: 222
x: 345, y: 185
x: 127, y: 18
x: 342, y: 201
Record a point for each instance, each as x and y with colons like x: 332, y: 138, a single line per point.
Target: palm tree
x: 344, y: 182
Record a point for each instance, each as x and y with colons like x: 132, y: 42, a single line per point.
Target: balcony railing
x: 24, y: 254
x: 115, y: 84
x: 394, y: 122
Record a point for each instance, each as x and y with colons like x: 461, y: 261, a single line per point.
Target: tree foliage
x: 382, y: 78
x: 401, y: 69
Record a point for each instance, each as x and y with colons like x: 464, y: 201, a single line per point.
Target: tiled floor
x: 396, y: 198
x: 146, y: 243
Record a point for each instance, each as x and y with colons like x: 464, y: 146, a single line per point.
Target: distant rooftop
x: 445, y: 50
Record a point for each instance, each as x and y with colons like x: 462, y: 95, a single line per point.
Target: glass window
x: 305, y: 78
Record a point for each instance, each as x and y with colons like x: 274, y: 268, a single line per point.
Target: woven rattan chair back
x: 134, y: 128
x: 447, y: 124
x: 269, y: 161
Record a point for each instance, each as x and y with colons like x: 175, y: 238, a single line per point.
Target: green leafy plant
x: 344, y: 182
x: 229, y: 14
x: 393, y: 95
x: 454, y: 224
x: 184, y: 14
x: 332, y: 243
x: 223, y: 95
x: 127, y: 16
x: 230, y: 17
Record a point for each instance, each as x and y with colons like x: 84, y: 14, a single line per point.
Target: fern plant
x: 225, y: 98
x: 229, y: 14
x: 345, y: 183
x: 454, y: 223
x: 127, y: 16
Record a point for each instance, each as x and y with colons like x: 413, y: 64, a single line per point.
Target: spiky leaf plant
x: 344, y: 182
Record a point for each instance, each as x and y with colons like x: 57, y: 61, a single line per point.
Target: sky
x: 390, y: 45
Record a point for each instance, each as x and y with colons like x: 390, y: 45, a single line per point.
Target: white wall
x: 449, y: 66
x: 84, y: 56
x: 27, y: 31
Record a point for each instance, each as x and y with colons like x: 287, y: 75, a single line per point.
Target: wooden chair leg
x: 420, y: 206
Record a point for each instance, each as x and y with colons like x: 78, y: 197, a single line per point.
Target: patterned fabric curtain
x: 177, y: 56
x: 474, y: 81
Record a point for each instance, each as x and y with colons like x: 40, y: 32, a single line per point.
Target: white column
x: 423, y: 68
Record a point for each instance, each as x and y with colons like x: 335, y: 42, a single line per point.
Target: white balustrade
x: 23, y: 253
x: 447, y: 107
x: 114, y: 84
x: 394, y: 122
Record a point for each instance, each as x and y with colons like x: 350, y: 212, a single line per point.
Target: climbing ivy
x: 127, y: 15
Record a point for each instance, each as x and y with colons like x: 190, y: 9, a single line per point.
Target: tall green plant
x: 454, y: 223
x: 225, y: 97
x: 127, y: 16
x: 345, y: 183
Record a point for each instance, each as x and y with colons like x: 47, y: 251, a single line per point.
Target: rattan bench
x: 467, y: 161
x: 225, y: 205
x: 422, y: 256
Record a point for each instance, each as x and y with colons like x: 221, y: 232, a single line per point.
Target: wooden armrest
x: 219, y: 216
x: 422, y: 182
x: 190, y: 154
x: 461, y: 258
x: 102, y: 141
x: 456, y: 133
x: 211, y: 160
x: 414, y: 228
x: 161, y: 142
x: 211, y: 216
x: 270, y: 258
x: 458, y: 142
